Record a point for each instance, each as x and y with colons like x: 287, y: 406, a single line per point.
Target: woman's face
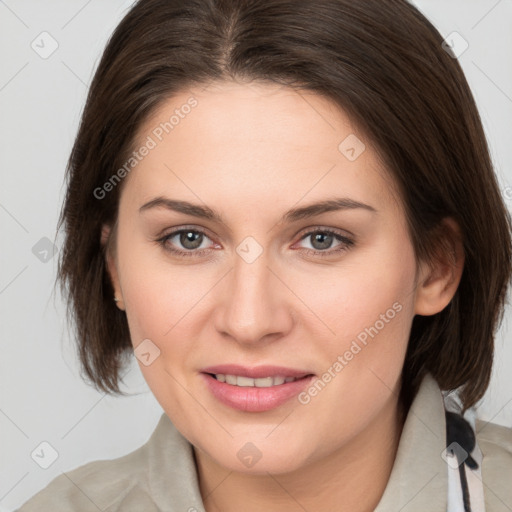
x: 259, y: 238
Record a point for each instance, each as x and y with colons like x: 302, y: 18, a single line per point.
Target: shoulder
x: 108, y: 485
x: 495, y: 442
x: 99, y: 485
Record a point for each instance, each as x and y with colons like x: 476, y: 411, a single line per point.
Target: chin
x: 261, y: 458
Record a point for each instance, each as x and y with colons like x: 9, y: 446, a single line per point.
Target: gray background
x: 42, y: 398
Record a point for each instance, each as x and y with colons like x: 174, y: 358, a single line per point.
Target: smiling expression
x: 255, y: 242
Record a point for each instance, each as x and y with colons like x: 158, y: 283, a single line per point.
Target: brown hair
x: 379, y: 60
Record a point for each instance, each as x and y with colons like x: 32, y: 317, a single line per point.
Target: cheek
x: 162, y: 303
x: 158, y: 293
x: 372, y: 290
x: 370, y: 310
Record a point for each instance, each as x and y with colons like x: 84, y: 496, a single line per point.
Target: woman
x: 287, y: 210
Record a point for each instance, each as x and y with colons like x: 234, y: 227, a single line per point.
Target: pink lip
x: 253, y: 399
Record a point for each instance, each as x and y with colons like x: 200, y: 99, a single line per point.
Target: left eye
x: 322, y: 240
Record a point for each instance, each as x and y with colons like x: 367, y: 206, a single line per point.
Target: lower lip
x: 253, y: 399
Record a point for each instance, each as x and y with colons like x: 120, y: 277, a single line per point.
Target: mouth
x: 255, y: 389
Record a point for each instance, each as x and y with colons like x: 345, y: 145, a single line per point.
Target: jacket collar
x: 418, y: 479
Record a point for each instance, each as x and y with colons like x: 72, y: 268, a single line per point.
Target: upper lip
x: 256, y: 372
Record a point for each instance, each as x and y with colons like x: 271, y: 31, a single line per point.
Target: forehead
x: 256, y: 142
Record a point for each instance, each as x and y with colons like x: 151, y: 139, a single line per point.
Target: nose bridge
x: 254, y: 306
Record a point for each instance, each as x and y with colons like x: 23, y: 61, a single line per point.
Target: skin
x: 252, y: 151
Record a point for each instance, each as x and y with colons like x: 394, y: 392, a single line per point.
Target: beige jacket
x: 160, y: 476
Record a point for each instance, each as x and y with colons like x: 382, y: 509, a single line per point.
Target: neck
x: 352, y: 478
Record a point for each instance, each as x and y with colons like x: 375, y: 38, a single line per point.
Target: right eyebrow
x: 182, y: 207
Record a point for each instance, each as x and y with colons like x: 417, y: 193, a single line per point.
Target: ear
x: 438, y: 282
x: 106, y: 232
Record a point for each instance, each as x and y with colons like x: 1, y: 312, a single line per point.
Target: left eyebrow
x: 329, y: 205
x: 292, y: 215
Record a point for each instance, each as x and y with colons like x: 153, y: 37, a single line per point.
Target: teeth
x: 244, y: 382
x: 231, y: 379
x: 264, y: 382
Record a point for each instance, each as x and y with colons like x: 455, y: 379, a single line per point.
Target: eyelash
x: 346, y: 243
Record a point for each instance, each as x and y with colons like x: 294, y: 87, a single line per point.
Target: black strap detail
x: 459, y: 430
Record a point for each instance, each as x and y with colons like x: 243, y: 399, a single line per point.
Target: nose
x: 255, y: 307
